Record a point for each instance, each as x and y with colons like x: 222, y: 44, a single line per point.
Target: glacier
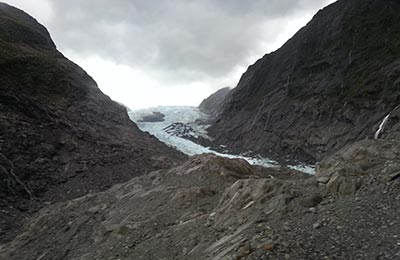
x: 194, y: 120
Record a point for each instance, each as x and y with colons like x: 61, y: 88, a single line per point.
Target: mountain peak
x: 18, y: 27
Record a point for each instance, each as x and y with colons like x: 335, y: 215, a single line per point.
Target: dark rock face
x: 154, y: 117
x: 60, y: 136
x: 180, y: 129
x: 216, y: 208
x: 332, y: 84
x: 214, y: 103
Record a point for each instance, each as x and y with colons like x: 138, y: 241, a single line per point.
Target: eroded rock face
x: 345, y: 171
x: 60, y: 136
x: 333, y: 83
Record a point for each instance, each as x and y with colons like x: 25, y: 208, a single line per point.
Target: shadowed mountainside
x: 60, y: 136
x: 333, y: 83
x: 214, y: 103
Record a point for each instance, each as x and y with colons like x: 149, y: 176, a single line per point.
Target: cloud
x: 170, y: 44
x: 134, y: 87
x: 194, y: 39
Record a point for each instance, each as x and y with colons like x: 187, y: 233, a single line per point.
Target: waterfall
x: 382, y: 126
x: 383, y: 123
x: 258, y: 114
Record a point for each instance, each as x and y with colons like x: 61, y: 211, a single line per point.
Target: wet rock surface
x: 60, y: 136
x: 330, y: 85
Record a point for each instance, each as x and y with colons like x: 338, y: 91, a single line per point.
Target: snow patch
x: 309, y: 169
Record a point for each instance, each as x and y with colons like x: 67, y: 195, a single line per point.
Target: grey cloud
x: 186, y: 39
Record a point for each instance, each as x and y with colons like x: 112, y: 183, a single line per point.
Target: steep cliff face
x: 60, y: 136
x: 214, y: 103
x: 331, y: 84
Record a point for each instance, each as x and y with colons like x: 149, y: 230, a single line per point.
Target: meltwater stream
x: 190, y: 118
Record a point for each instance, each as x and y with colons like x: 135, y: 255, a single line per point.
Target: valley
x: 301, y: 160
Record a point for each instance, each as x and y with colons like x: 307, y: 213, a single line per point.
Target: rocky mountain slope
x: 60, y: 136
x: 333, y: 83
x: 214, y: 103
x: 218, y: 208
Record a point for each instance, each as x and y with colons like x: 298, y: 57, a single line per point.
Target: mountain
x: 214, y: 103
x: 330, y: 85
x: 60, y: 136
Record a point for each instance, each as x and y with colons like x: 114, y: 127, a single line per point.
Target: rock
x: 311, y: 200
x: 350, y: 166
x: 267, y: 246
x: 213, y: 104
x: 191, y: 194
x: 343, y: 185
x: 317, y: 225
x: 155, y: 117
x: 323, y: 179
x: 394, y: 176
x: 313, y: 210
x: 180, y: 130
x: 243, y: 251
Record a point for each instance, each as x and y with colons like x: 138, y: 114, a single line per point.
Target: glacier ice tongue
x: 185, y: 119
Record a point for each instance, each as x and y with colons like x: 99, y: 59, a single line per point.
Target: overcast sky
x: 168, y: 52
